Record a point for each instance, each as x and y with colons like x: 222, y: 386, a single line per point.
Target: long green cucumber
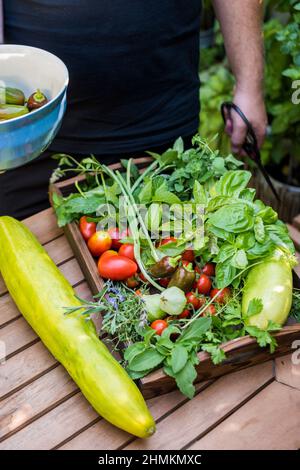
x: 41, y: 293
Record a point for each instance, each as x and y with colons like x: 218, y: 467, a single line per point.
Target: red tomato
x: 87, y: 229
x: 108, y: 253
x: 204, y: 284
x: 127, y: 249
x: 99, y: 242
x: 193, y: 300
x: 198, y: 270
x: 142, y: 277
x: 116, y: 236
x: 167, y: 240
x: 159, y: 326
x: 164, y: 282
x: 116, y: 268
x: 185, y: 314
x: 202, y: 301
x: 222, y: 295
x: 211, y: 309
x: 188, y: 255
x: 132, y: 282
x: 209, y: 269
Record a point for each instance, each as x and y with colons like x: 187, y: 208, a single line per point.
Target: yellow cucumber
x: 41, y: 293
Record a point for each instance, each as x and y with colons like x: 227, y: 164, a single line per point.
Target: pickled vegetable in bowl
x: 33, y: 85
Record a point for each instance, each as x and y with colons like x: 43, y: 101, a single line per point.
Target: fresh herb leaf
x: 217, y: 354
x: 145, y: 360
x: 179, y: 358
x: 195, y: 331
x: 185, y: 379
x: 254, y: 308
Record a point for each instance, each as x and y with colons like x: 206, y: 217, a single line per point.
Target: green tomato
x: 152, y: 305
x: 173, y: 301
x: 272, y: 282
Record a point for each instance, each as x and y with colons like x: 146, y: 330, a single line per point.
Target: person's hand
x: 253, y: 106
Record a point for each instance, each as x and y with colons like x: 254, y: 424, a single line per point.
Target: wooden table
x: 42, y: 408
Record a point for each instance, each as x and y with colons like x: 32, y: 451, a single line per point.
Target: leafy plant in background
x: 282, y: 43
x: 282, y: 46
x: 216, y: 87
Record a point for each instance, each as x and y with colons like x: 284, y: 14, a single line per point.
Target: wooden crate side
x: 240, y: 354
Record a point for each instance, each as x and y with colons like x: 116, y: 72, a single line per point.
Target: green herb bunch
x: 176, y: 349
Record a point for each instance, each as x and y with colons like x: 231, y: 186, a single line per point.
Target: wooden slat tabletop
x: 42, y: 408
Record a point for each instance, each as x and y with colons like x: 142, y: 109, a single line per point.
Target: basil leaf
x: 234, y: 218
x: 153, y: 218
x: 199, y: 194
x: 162, y: 194
x: 233, y: 182
x: 280, y: 236
x: 225, y: 273
x: 145, y: 195
x: 226, y: 251
x: 240, y: 260
x: 259, y: 229
x: 245, y: 240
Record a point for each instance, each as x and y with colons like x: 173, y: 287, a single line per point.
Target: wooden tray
x: 240, y: 353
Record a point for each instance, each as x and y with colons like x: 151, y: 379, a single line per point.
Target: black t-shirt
x: 133, y: 68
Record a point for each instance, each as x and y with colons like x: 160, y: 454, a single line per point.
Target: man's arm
x: 241, y: 24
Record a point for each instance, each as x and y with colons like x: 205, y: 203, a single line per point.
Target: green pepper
x: 183, y: 278
x: 12, y: 96
x: 165, y: 267
x: 11, y: 111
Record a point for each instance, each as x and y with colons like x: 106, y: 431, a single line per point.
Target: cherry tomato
x: 222, y: 295
x: 127, y: 249
x: 132, y: 282
x: 99, y: 242
x: 185, y: 314
x: 87, y: 229
x: 188, y: 255
x: 164, y: 282
x: 193, y: 299
x: 209, y: 269
x: 116, y: 236
x: 198, y: 270
x: 204, y: 284
x: 142, y: 277
x: 138, y: 292
x: 116, y: 268
x: 211, y: 309
x: 159, y: 326
x: 202, y: 300
x: 167, y: 240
